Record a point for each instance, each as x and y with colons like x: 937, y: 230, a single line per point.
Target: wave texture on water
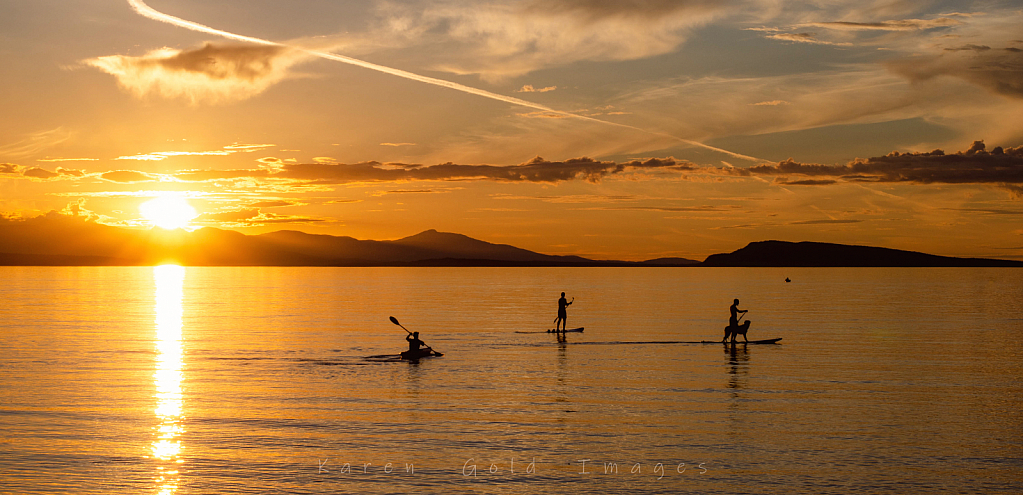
x: 253, y: 380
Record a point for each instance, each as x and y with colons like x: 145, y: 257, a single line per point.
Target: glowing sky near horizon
x: 242, y: 108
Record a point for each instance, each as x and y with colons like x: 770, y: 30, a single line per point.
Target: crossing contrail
x: 147, y: 11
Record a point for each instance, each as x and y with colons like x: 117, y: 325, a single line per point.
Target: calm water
x: 255, y: 380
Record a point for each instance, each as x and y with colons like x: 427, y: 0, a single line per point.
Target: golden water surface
x: 172, y: 380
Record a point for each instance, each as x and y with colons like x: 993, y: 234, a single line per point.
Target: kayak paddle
x: 395, y: 321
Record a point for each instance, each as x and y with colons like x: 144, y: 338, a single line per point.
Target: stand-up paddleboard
x: 765, y: 341
x: 576, y: 330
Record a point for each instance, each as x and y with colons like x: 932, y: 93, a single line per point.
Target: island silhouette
x: 59, y: 240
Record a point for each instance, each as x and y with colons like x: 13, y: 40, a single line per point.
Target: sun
x: 168, y: 212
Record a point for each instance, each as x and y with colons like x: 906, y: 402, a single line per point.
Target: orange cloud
x: 528, y: 88
x: 210, y: 74
x: 804, y: 38
x: 897, y: 25
x: 35, y: 142
x: 999, y: 71
x: 127, y: 176
x: 38, y: 173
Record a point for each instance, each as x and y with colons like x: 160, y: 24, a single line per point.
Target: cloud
x: 528, y: 88
x: 251, y: 217
x: 127, y: 194
x: 271, y: 163
x: 670, y: 209
x: 397, y: 144
x: 38, y: 173
x: 265, y: 218
x: 977, y: 165
x: 127, y: 176
x: 805, y: 182
x: 229, y: 216
x: 67, y: 159
x: 76, y: 209
x: 696, y: 12
x: 248, y: 148
x: 163, y: 155
x: 35, y: 142
x: 974, y: 48
x: 535, y: 170
x: 498, y: 40
x: 542, y: 115
x: 215, y: 175
x: 772, y: 103
x: 989, y: 211
x: 274, y: 204
x: 898, y: 25
x: 594, y: 10
x: 214, y: 73
x: 71, y: 172
x: 999, y: 71
x: 823, y: 222
x: 228, y: 150
x: 804, y: 38
x: 571, y: 198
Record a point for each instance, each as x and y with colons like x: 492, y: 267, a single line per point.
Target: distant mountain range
x: 781, y: 253
x: 65, y: 241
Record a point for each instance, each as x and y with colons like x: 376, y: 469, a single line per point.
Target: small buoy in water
x: 787, y: 279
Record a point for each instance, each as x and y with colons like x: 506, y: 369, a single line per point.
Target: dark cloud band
x: 535, y: 170
x: 973, y: 166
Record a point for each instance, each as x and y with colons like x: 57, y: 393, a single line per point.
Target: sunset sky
x: 610, y: 129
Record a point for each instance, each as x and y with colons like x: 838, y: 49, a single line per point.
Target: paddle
x: 395, y: 321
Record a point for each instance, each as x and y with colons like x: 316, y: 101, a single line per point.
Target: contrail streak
x: 147, y: 11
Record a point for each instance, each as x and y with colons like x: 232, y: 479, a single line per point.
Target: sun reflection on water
x: 167, y: 376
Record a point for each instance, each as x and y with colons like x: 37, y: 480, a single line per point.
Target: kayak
x: 421, y: 353
x: 580, y: 329
x: 765, y: 341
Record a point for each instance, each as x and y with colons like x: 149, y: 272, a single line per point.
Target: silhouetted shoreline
x: 59, y: 240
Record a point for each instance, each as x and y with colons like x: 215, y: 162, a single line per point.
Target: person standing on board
x: 562, y: 318
x: 733, y: 321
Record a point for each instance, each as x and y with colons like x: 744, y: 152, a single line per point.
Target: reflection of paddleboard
x: 580, y: 329
x: 766, y: 341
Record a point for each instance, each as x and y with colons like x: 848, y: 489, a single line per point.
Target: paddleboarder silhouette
x: 733, y: 329
x: 562, y: 318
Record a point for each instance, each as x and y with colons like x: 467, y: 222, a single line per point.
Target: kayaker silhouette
x: 733, y: 329
x: 562, y: 318
x: 414, y: 343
